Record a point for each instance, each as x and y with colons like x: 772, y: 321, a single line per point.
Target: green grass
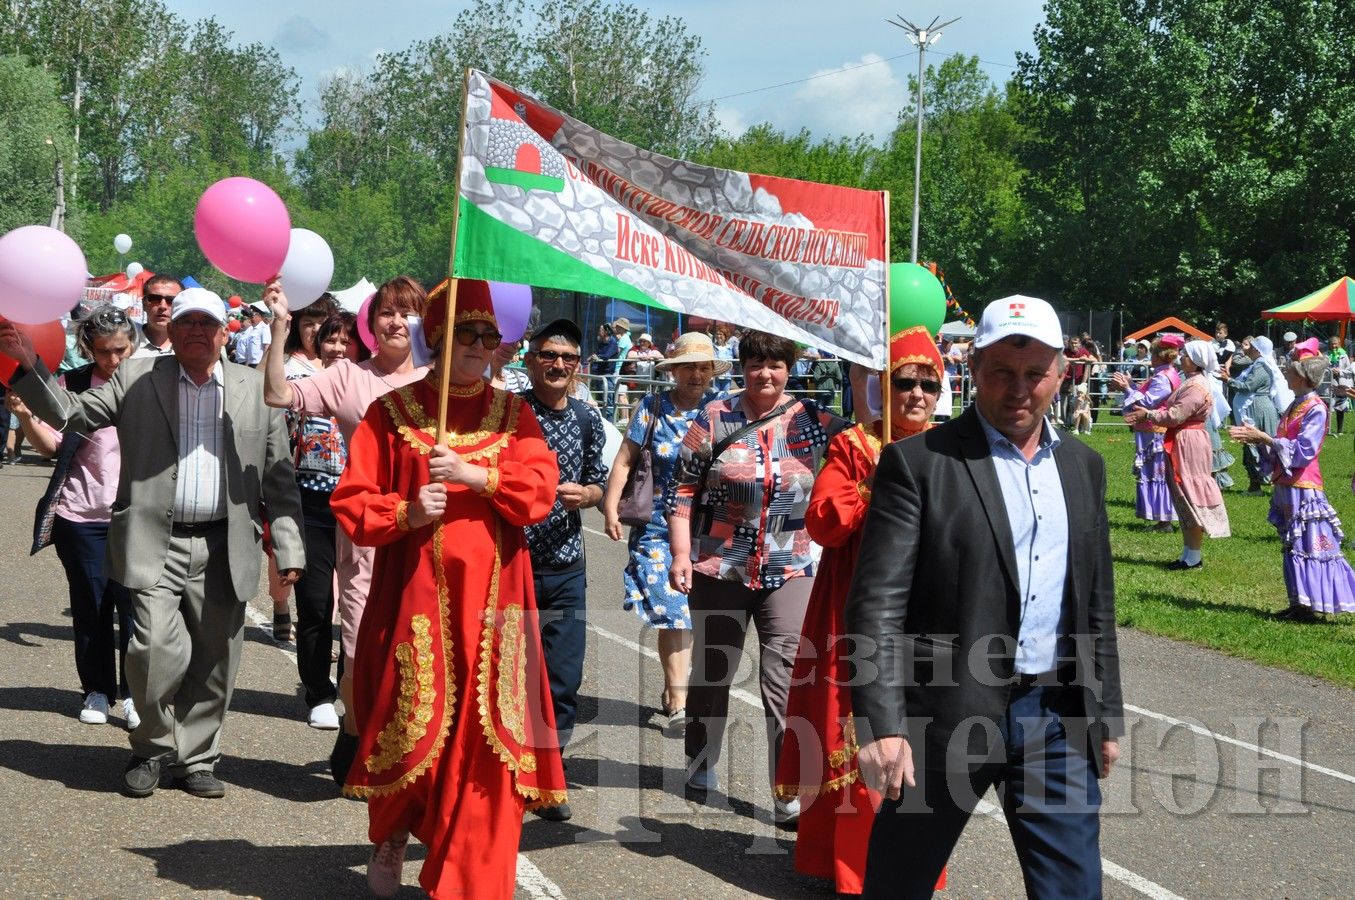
x: 1225, y: 606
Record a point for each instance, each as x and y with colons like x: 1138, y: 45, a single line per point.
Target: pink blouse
x: 345, y: 390
x: 92, y: 482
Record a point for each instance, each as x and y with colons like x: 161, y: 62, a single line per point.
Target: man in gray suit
x: 203, y: 461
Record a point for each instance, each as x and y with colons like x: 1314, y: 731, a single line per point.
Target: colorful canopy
x: 1335, y: 302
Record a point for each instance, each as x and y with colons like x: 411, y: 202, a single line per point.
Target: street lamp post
x: 59, y: 173
x: 921, y: 37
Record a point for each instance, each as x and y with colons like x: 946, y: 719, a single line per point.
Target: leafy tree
x: 31, y: 115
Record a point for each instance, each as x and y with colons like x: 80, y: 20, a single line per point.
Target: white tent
x: 956, y: 329
x: 351, y: 298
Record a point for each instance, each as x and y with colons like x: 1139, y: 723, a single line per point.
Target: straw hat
x: 622, y: 323
x: 694, y: 347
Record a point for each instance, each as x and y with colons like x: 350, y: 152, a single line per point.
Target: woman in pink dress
x: 1317, y: 577
x: 1195, y: 494
x: 343, y: 392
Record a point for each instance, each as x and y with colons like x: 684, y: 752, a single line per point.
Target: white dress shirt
x: 200, y: 490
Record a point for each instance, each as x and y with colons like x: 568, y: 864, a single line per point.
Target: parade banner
x: 547, y: 200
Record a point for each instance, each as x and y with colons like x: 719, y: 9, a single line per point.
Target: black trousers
x: 315, y: 600
x: 564, y: 635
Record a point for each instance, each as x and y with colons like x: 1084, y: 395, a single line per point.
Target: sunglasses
x: 466, y: 336
x: 157, y: 298
x: 551, y: 356
x: 907, y: 384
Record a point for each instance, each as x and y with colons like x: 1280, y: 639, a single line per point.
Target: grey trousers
x: 184, y: 653
x: 720, y: 613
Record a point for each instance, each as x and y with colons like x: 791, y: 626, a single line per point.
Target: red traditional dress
x: 818, y: 758
x: 457, y: 733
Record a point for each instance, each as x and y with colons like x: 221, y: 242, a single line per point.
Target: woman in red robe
x: 818, y: 760
x: 456, y: 729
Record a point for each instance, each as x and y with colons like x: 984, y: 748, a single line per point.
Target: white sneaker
x: 324, y: 717
x: 676, y: 725
x: 703, y: 780
x: 129, y: 714
x: 786, y: 814
x: 95, y: 711
x: 385, y: 868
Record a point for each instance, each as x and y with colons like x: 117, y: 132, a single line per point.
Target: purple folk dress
x: 1152, y: 498
x: 1316, y: 574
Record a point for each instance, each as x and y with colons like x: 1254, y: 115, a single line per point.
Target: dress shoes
x: 1181, y: 564
x: 201, y: 784
x: 341, y: 757
x: 141, y: 777
x: 561, y: 813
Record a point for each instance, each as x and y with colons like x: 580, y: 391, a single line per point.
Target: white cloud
x: 729, y: 120
x: 863, y: 96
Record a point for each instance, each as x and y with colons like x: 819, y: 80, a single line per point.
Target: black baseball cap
x: 566, y: 327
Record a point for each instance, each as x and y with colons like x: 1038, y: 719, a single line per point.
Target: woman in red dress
x: 818, y: 761
x: 456, y: 730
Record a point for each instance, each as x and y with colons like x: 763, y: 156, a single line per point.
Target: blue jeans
x: 1049, y: 793
x: 95, y: 601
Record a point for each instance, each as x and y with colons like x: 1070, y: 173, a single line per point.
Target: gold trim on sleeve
x: 402, y: 515
x: 491, y: 482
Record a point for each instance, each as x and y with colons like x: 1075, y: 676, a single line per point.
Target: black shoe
x: 1297, y: 613
x: 282, y: 627
x: 141, y: 777
x: 201, y: 784
x: 561, y: 813
x: 341, y: 757
x: 1182, y: 564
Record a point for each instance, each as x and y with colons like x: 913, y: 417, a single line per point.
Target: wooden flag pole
x: 445, y: 359
x: 886, y: 387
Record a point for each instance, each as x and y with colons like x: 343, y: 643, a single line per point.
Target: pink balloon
x: 365, y: 330
x: 243, y: 229
x: 42, y: 274
x: 512, y: 307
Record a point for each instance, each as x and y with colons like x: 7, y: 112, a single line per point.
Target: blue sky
x: 750, y: 44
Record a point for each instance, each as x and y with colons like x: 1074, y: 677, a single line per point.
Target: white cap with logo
x: 198, y: 299
x: 1019, y: 316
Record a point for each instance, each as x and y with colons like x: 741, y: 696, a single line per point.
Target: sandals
x: 282, y: 627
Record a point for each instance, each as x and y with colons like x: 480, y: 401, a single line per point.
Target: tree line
x: 1189, y: 157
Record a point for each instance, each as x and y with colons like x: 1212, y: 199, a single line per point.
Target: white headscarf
x: 1280, y: 392
x: 1202, y: 354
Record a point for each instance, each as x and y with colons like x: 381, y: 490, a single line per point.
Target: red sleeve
x: 841, y: 496
x: 364, y: 503
x: 528, y: 474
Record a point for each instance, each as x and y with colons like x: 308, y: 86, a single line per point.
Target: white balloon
x: 122, y: 243
x: 134, y: 269
x: 307, y: 269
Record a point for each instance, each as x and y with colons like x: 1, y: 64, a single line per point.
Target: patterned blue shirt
x: 576, y: 435
x: 1032, y: 493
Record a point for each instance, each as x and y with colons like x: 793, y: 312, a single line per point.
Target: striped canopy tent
x: 1333, y: 303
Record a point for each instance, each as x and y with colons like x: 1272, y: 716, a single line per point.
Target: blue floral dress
x: 647, y: 589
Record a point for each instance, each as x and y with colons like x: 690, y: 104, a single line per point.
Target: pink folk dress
x: 1194, y: 492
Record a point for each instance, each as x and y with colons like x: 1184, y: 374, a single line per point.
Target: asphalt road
x: 1237, y: 780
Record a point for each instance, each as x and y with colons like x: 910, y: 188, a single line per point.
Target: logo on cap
x: 1016, y: 310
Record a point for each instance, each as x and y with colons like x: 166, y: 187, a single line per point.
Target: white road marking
x: 531, y: 879
x: 1119, y: 873
x: 1205, y: 732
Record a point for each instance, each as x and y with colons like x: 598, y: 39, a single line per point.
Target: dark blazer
x: 935, y: 599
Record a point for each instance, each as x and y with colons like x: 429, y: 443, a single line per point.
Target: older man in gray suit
x: 203, y: 460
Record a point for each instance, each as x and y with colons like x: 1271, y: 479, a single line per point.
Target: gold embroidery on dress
x: 843, y: 756
x: 414, y: 709
x: 449, y: 687
x: 866, y: 442
x: 418, y: 428
x: 528, y: 762
x: 512, y: 688
x: 464, y: 390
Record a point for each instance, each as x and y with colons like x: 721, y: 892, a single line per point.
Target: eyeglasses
x: 153, y: 299
x: 466, y: 336
x: 550, y: 356
x: 907, y: 384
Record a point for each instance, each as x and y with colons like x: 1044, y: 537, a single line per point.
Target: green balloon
x: 916, y: 297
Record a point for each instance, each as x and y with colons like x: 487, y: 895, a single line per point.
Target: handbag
x: 699, y: 524
x: 637, y: 496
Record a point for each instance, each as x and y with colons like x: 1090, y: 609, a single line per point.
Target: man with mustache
x: 573, y: 429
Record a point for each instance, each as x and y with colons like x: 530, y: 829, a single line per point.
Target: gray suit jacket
x: 141, y: 402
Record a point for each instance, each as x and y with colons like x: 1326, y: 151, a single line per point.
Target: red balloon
x: 234, y: 324
x: 235, y: 302
x: 49, y: 340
